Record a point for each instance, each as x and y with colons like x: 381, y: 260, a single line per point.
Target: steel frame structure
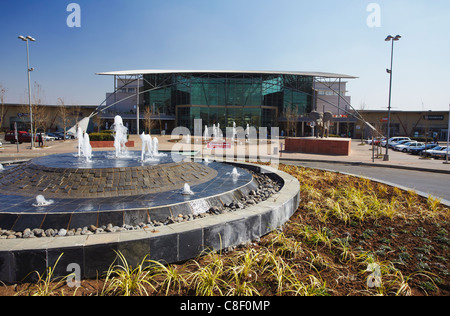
x: 129, y: 77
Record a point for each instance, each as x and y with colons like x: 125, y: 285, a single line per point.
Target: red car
x: 24, y: 137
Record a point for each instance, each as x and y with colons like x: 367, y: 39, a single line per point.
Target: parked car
x: 394, y: 146
x: 47, y: 137
x: 376, y: 141
x: 404, y: 145
x: 413, y: 146
x: 71, y: 135
x: 419, y: 150
x: 23, y: 137
x: 61, y: 134
x: 393, y: 140
x: 430, y: 152
x: 441, y: 153
x: 56, y: 136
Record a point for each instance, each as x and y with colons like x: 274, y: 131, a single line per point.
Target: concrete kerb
x: 356, y: 163
x: 174, y: 243
x: 420, y: 193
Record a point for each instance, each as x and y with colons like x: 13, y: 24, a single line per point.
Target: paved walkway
x: 361, y: 154
x: 427, y: 176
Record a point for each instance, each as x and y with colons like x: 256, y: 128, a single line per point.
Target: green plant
x: 346, y: 254
x: 246, y: 265
x: 390, y: 280
x: 284, y: 246
x: 403, y: 257
x: 428, y: 286
x: 315, y: 286
x: 433, y: 203
x: 238, y: 287
x: 47, y: 284
x: 208, y: 279
x: 419, y: 232
x: 101, y: 137
x: 313, y: 236
x: 278, y: 271
x: 172, y: 278
x: 124, y: 280
x: 316, y: 261
x: 367, y: 234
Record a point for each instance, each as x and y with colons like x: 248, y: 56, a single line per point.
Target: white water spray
x: 41, y: 201
x: 187, y: 190
x: 120, y: 136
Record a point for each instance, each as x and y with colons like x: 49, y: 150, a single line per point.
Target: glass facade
x: 224, y: 98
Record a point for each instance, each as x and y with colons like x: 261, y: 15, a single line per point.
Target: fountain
x: 187, y: 190
x: 135, y: 195
x: 235, y: 173
x: 41, y: 201
x: 147, y: 146
x: 120, y: 136
x: 218, y: 132
x: 156, y: 152
x: 80, y: 140
x: 214, y: 131
x: 86, y: 147
x: 206, y: 134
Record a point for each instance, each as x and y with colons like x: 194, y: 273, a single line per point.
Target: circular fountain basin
x: 119, y: 195
x: 67, y: 177
x: 173, y: 243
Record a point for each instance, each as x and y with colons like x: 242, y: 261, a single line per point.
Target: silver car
x: 441, y: 153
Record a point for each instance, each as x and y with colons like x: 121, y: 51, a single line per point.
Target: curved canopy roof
x: 156, y: 71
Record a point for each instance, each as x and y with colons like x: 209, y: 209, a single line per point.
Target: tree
x: 97, y: 120
x: 64, y: 115
x: 149, y: 121
x: 39, y: 111
x: 291, y: 113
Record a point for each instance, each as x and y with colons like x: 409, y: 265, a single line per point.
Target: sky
x: 290, y: 35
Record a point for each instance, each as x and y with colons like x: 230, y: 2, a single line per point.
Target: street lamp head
x: 26, y: 39
x: 390, y: 37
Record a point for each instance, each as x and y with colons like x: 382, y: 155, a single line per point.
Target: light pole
x: 389, y: 71
x: 29, y: 70
x: 448, y: 136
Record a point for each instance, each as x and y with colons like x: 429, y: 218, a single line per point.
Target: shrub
x: 101, y: 137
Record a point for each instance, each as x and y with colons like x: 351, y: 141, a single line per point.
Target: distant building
x: 19, y: 114
x: 332, y: 97
x: 433, y: 124
x: 257, y: 98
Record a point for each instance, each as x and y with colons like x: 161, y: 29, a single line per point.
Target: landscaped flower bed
x: 350, y: 236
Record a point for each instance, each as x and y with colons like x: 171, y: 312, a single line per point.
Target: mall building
x: 432, y: 124
x: 258, y: 98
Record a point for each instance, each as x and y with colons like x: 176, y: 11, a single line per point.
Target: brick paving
x: 29, y: 179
